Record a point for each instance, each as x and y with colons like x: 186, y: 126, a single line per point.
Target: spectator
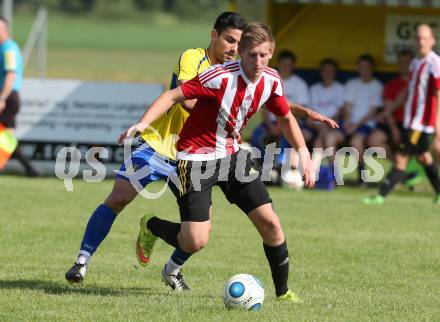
x: 296, y: 91
x: 327, y: 97
x: 363, y: 98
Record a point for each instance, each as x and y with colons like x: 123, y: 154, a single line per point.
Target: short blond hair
x: 255, y: 34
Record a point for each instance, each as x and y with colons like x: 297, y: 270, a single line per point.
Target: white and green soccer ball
x: 244, y: 292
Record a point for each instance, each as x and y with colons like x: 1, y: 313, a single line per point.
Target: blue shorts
x: 364, y: 130
x: 145, y: 165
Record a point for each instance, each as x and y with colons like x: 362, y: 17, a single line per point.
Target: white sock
x: 172, y: 268
x: 83, y: 258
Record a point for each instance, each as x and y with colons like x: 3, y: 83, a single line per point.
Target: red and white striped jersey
x: 226, y: 100
x: 424, y: 83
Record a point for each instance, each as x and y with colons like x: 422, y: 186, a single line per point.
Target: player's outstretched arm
x: 299, y: 110
x: 160, y: 106
x: 290, y: 128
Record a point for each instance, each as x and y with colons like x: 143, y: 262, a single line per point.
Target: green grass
x: 110, y: 50
x: 134, y: 51
x: 350, y: 262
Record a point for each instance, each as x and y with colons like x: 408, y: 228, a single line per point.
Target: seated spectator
x: 388, y: 131
x: 327, y: 98
x: 363, y: 98
x: 296, y: 91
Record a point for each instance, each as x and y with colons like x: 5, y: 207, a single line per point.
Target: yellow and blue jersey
x: 168, y: 126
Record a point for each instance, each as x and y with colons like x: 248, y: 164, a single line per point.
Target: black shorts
x: 415, y: 142
x: 234, y: 174
x: 7, y: 117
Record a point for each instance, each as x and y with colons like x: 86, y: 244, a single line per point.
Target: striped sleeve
x: 195, y: 89
x: 277, y: 103
x: 436, y: 73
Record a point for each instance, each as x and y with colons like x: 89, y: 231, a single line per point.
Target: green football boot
x: 290, y: 296
x: 374, y: 200
x: 145, y: 242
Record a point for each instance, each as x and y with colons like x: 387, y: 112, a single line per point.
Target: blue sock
x: 97, y: 228
x: 180, y: 257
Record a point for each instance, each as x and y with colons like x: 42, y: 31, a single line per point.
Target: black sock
x: 360, y: 167
x: 432, y: 174
x: 394, y: 177
x: 165, y: 230
x: 278, y: 258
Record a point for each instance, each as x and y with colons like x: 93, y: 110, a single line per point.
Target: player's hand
x: 132, y: 132
x: 317, y: 117
x: 306, y: 165
x: 2, y: 106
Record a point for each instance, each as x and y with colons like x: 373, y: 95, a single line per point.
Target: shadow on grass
x: 65, y: 288
x: 56, y: 288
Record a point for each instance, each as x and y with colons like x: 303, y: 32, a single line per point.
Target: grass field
x: 350, y: 262
x: 88, y: 48
x: 134, y: 51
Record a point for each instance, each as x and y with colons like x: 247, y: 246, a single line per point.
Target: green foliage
x: 349, y: 262
x: 76, y: 6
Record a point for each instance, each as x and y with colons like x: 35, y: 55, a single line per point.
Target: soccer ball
x: 292, y: 179
x: 243, y: 291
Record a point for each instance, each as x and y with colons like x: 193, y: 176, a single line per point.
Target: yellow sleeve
x: 188, y: 64
x: 10, y: 61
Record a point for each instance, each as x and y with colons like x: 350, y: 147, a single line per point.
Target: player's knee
x: 272, y: 232
x: 194, y: 244
x: 271, y: 226
x: 117, y: 202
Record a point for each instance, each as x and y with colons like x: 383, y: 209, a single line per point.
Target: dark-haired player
x: 158, y: 151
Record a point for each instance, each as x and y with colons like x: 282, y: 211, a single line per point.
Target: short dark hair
x: 328, y: 61
x: 367, y: 58
x: 287, y: 54
x: 405, y: 52
x: 229, y: 20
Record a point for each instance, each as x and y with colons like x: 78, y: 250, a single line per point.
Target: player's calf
x: 268, y: 225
